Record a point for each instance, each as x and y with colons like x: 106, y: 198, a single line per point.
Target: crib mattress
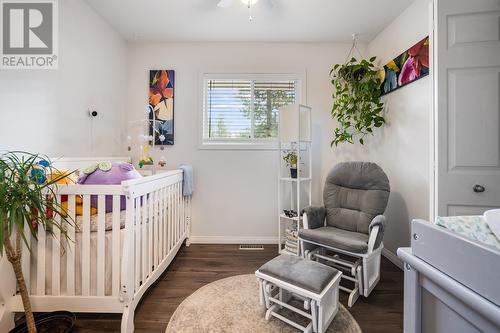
x: 94, y: 220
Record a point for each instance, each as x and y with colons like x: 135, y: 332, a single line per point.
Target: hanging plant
x: 356, y: 100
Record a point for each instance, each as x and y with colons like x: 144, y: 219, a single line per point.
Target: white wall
x: 235, y: 191
x: 235, y: 199
x: 45, y: 111
x: 402, y: 146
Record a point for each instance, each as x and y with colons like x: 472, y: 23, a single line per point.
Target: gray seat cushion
x: 337, y: 238
x: 354, y: 193
x: 299, y: 272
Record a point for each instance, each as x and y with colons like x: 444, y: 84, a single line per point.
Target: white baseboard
x: 232, y: 240
x: 269, y: 240
x: 392, y: 258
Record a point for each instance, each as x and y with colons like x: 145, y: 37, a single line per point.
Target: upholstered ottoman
x: 286, y: 278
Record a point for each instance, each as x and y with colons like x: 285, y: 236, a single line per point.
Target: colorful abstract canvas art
x: 161, y: 106
x: 409, y: 66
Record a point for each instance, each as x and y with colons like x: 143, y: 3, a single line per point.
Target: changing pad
x: 472, y: 227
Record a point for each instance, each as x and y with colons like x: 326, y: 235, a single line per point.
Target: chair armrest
x: 377, y: 228
x: 313, y: 217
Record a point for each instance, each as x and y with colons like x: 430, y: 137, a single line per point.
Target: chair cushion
x: 354, y: 193
x: 299, y: 272
x: 337, y: 238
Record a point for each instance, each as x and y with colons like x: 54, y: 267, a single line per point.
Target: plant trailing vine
x: 356, y: 100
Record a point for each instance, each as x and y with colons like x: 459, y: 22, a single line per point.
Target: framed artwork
x: 161, y: 106
x: 409, y: 66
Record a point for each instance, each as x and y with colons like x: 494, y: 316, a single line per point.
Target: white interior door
x: 467, y: 97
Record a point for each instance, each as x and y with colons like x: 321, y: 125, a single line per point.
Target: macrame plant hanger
x: 353, y: 49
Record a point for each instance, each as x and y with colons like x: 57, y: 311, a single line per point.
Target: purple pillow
x: 118, y: 173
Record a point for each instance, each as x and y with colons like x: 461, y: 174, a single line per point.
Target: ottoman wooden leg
x: 261, y: 293
x: 314, y: 313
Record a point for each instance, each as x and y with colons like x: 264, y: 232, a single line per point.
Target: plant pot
x: 293, y: 172
x: 52, y: 322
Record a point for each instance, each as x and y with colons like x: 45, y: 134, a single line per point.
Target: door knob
x: 478, y: 188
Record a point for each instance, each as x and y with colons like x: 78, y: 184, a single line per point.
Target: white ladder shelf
x: 293, y: 193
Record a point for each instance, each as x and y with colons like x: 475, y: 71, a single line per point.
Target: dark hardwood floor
x: 199, y: 264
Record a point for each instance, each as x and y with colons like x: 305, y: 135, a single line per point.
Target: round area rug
x: 232, y: 305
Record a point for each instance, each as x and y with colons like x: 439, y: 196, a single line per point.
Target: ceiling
x: 273, y: 20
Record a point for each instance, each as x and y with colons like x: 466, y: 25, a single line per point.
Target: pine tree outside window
x: 243, y: 109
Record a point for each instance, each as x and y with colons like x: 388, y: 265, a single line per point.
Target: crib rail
x: 155, y: 229
x: 122, y: 239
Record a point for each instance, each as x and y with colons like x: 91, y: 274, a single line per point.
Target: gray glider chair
x: 350, y: 226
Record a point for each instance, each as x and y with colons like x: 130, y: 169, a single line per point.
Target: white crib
x: 109, y: 263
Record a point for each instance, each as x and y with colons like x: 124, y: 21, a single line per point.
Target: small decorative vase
x: 293, y: 172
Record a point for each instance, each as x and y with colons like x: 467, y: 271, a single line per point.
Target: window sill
x: 238, y: 145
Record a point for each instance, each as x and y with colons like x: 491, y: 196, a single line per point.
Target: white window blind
x: 244, y: 110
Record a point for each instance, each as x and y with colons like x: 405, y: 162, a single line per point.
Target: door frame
x: 433, y: 149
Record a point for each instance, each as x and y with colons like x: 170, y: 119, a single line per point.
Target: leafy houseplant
x: 291, y: 159
x: 356, y: 105
x: 27, y: 198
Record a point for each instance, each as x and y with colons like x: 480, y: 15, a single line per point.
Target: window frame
x: 240, y: 143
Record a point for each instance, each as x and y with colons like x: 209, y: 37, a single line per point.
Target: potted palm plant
x: 290, y: 159
x: 27, y: 202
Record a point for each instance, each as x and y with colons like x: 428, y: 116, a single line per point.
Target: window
x: 243, y: 109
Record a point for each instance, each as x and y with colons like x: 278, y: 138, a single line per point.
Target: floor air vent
x: 251, y: 247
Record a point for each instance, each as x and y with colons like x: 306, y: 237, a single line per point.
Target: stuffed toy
x: 106, y: 173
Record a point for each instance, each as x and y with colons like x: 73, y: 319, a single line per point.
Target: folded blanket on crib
x: 187, y: 182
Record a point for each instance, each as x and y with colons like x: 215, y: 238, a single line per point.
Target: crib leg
x: 128, y: 318
x: 188, y: 237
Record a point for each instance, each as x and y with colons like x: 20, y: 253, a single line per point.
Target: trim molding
x: 233, y: 240
x: 270, y: 240
x: 393, y: 258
